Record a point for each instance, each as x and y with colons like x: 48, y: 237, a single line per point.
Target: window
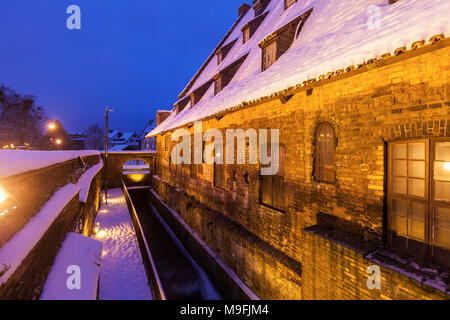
x: 272, y: 187
x: 223, y: 52
x: 246, y: 34
x: 250, y: 28
x: 194, y: 167
x: 219, y: 57
x: 288, y: 3
x: 324, y: 157
x: 269, y: 55
x: 277, y: 43
x: 419, y: 198
x: 217, y: 84
x: 223, y: 78
x: 219, y: 176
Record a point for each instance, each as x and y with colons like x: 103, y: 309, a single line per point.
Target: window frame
x: 273, y: 42
x: 429, y: 251
x: 318, y: 153
x: 277, y: 180
x: 219, y: 181
x: 246, y: 36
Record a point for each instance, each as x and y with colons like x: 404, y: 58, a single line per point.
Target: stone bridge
x: 116, y: 161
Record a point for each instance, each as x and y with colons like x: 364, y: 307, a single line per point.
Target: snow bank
x: 79, y: 251
x: 13, y: 162
x: 84, y: 183
x: 122, y: 273
x: 16, y: 249
x: 335, y: 36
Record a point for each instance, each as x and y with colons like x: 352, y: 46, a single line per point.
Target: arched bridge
x: 116, y: 161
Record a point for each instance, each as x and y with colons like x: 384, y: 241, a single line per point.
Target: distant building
x: 147, y: 143
x: 121, y: 141
x: 79, y: 140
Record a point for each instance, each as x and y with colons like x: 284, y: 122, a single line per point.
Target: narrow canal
x: 180, y: 276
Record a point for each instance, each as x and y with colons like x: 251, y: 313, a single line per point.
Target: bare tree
x: 95, y: 138
x: 21, y: 121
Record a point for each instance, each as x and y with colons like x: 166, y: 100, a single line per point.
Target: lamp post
x: 106, y: 153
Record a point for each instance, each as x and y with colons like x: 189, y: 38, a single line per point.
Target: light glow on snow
x: 136, y: 177
x: 3, y: 194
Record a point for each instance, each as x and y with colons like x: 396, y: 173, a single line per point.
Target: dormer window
x: 181, y: 105
x: 246, y: 34
x: 250, y: 28
x: 259, y: 6
x: 222, y: 52
x: 217, y: 83
x: 275, y: 45
x: 288, y: 3
x: 223, y: 78
x: 269, y: 55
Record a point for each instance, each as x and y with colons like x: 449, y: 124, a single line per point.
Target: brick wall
x: 403, y: 96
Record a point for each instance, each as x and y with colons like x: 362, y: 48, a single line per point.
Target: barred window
x: 419, y: 198
x: 325, y: 150
x: 269, y: 55
x: 272, y: 187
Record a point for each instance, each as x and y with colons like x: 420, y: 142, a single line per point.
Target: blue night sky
x: 135, y: 56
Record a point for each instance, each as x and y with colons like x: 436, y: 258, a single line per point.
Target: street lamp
x: 58, y: 141
x: 51, y: 126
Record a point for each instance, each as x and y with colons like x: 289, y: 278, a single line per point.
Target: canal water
x: 181, y: 277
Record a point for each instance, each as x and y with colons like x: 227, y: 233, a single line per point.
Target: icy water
x: 181, y: 277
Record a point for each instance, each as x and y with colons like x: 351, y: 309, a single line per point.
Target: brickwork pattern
x: 407, y: 98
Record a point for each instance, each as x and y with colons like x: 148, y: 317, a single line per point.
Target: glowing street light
x: 58, y: 141
x: 52, y: 126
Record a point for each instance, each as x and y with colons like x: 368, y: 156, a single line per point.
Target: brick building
x: 360, y: 94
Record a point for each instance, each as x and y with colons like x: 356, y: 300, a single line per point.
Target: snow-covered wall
x: 13, y: 162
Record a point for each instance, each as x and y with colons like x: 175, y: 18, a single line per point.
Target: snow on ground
x: 13, y: 162
x: 122, y: 273
x: 338, y: 34
x: 82, y: 252
x: 15, y: 250
x: 86, y: 179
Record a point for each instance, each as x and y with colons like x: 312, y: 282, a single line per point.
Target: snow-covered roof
x: 336, y: 35
x: 119, y: 147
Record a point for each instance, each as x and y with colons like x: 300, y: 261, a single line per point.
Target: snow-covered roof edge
x: 332, y: 39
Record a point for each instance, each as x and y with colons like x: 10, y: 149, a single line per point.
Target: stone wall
x: 31, y: 191
x: 400, y: 97
x: 117, y: 160
x: 28, y: 280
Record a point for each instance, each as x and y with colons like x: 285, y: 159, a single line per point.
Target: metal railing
x: 150, y: 268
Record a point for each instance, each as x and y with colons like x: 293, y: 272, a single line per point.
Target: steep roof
x: 335, y: 36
